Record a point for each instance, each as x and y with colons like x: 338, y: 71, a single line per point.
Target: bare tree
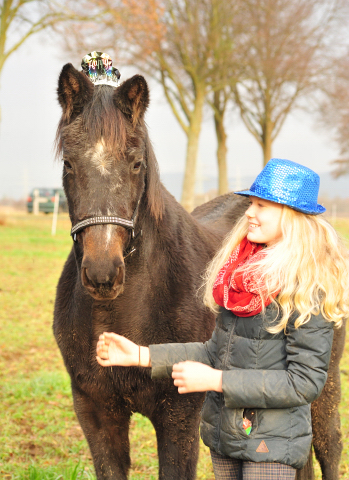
x: 192, y: 60
x: 334, y: 112
x: 288, y: 50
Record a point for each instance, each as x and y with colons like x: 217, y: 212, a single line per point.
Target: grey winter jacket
x: 271, y: 379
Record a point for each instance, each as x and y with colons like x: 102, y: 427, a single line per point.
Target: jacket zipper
x: 225, y: 360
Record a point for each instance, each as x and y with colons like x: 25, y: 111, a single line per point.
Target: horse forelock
x: 103, y: 122
x: 100, y: 121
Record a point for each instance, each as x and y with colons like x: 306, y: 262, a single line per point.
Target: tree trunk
x: 267, y: 142
x: 223, y: 186
x: 219, y: 104
x: 194, y: 129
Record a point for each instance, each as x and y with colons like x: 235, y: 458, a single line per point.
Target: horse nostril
x: 120, y: 277
x: 86, y: 279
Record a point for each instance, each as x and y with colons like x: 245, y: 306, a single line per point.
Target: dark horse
x: 134, y: 269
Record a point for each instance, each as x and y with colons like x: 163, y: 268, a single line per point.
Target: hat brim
x: 248, y: 193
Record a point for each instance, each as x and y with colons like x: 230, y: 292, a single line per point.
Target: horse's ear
x: 74, y: 90
x: 132, y: 98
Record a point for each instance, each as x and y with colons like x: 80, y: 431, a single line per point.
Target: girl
x: 278, y: 285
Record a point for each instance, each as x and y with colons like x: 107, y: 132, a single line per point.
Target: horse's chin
x: 105, y: 293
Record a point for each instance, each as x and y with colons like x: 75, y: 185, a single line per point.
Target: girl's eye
x: 67, y: 165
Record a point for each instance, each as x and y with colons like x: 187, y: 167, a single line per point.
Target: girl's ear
x: 132, y: 98
x: 74, y: 91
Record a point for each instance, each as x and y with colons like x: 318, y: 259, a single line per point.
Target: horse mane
x: 153, y: 185
x: 102, y: 119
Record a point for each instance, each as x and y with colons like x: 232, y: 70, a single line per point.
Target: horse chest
x: 131, y: 387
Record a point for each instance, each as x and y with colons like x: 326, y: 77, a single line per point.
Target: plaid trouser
x: 226, y: 468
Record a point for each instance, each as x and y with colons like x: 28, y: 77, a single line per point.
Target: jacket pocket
x: 251, y: 415
x: 232, y: 422
x: 249, y: 418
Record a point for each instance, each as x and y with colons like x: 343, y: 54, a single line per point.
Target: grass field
x: 40, y: 438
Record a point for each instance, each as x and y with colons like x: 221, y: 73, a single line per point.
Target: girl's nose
x: 249, y: 212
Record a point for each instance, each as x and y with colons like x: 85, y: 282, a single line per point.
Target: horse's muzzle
x: 102, y: 267
x: 103, y: 285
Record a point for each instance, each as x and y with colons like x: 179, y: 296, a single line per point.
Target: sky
x: 30, y: 113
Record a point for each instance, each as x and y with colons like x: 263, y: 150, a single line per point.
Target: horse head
x: 109, y: 174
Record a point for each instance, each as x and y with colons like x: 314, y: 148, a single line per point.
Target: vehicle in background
x: 47, y: 200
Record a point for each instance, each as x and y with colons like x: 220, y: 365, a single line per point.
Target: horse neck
x: 176, y: 234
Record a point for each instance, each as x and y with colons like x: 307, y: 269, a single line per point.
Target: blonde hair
x: 309, y: 266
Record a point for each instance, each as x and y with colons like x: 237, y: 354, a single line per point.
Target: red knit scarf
x: 241, y: 292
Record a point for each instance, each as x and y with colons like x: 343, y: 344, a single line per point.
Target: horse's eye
x: 137, y: 166
x: 67, y: 165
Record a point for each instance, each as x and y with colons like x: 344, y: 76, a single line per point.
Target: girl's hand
x: 196, y: 377
x: 113, y: 349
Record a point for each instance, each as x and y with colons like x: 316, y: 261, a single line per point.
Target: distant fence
x: 335, y: 207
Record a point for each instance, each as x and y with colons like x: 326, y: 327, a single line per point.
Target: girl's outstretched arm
x: 113, y: 349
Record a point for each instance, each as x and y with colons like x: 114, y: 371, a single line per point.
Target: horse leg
x: 325, y: 415
x: 177, y: 430
x: 107, y: 436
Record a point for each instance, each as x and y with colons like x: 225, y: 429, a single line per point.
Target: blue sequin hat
x: 288, y: 183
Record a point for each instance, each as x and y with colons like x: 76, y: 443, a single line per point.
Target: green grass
x: 40, y: 437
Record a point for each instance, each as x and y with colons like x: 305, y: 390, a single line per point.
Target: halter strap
x: 106, y: 219
x: 129, y: 224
